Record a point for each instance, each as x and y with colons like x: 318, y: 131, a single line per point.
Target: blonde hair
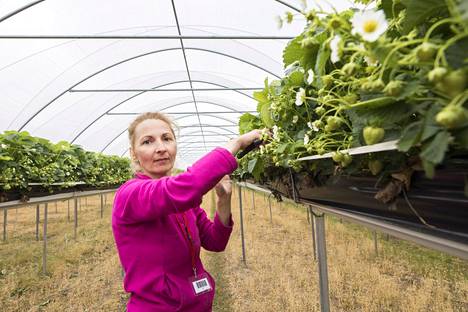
x: 140, y: 118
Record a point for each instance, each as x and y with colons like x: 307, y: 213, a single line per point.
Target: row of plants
x: 26, y: 161
x: 395, y: 71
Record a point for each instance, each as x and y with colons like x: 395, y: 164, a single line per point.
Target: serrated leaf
x: 261, y: 96
x: 417, y: 11
x: 247, y: 122
x: 429, y: 168
x: 265, y: 114
x: 385, y: 116
x: 456, y: 53
x: 410, y: 137
x: 293, y: 51
x: 410, y: 88
x: 434, y: 151
x: 461, y: 138
x: 255, y: 167
x: 389, y: 7
x: 282, y: 148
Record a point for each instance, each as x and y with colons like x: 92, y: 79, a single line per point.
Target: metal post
x: 375, y: 244
x: 76, y: 216
x: 242, y: 225
x: 5, y: 217
x: 86, y: 202
x: 44, y: 235
x: 55, y: 207
x: 102, y: 206
x: 68, y: 210
x: 312, y: 227
x: 308, y: 215
x: 253, y: 199
x: 322, y: 263
x: 269, y: 204
x: 37, y: 221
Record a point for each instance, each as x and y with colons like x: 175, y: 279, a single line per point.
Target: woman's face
x: 154, y: 147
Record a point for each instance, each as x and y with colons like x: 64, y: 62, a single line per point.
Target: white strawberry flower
x: 335, y: 49
x: 295, y: 119
x: 309, y: 124
x: 369, y: 24
x: 275, y: 132
x: 306, y: 139
x: 4, y: 146
x: 300, y: 97
x: 315, y: 125
x: 310, y: 76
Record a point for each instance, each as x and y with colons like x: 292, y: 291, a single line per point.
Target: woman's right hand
x: 242, y: 141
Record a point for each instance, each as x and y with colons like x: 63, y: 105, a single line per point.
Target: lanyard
x: 189, y: 239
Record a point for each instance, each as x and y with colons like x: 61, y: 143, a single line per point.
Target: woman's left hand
x: 224, y: 189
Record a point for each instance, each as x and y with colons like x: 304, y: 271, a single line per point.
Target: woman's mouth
x: 160, y: 161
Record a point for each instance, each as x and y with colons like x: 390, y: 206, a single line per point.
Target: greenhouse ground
x: 280, y: 274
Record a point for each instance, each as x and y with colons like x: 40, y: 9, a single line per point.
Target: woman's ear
x: 133, y: 156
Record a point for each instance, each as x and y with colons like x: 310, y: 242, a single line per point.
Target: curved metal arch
x: 204, y: 125
x: 133, y: 58
x: 116, y: 137
x: 171, y: 106
x: 27, y: 6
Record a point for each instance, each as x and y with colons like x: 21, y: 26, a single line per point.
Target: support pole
x: 308, y: 215
x: 102, y: 206
x: 322, y: 263
x: 375, y: 243
x: 5, y: 219
x: 242, y: 226
x: 269, y: 204
x: 38, y: 213
x: 68, y: 210
x: 253, y: 199
x: 44, y: 245
x: 312, y: 227
x: 76, y: 216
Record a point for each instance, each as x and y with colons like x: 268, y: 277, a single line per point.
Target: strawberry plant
x: 394, y: 72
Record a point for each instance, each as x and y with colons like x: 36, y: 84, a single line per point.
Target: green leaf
x: 293, y: 51
x: 410, y: 137
x: 461, y: 138
x: 410, y: 88
x: 255, y: 167
x: 261, y: 96
x: 247, y: 122
x: 265, y: 115
x: 417, y: 11
x: 385, y: 116
x: 282, y: 148
x: 456, y: 54
x: 463, y: 8
x: 429, y: 168
x: 388, y: 6
x: 434, y: 150
x: 320, y: 65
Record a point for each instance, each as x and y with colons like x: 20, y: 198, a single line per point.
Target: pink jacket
x: 153, y: 250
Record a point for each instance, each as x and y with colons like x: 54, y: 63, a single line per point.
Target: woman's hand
x: 241, y: 142
x: 223, y: 192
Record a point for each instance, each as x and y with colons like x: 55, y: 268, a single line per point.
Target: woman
x: 158, y: 224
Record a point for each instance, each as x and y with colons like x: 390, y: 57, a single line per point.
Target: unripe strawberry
x: 320, y: 110
x: 426, y: 51
x: 334, y: 122
x: 347, y: 159
x: 452, y: 116
x: 337, y: 157
x: 308, y: 42
x: 437, y: 74
x: 393, y: 88
x: 349, y: 68
x: 453, y: 83
x: 375, y: 166
x: 373, y: 135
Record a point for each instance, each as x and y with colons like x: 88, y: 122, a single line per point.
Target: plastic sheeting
x: 87, y: 90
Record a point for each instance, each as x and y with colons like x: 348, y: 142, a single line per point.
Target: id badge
x: 200, y: 284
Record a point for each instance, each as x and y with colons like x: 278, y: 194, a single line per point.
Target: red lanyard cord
x: 188, y: 236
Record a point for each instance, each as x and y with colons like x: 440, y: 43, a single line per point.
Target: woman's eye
x: 146, y: 142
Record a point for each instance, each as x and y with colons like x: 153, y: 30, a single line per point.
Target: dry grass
x: 280, y: 275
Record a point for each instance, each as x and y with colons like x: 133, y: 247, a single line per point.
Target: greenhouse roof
x: 81, y: 70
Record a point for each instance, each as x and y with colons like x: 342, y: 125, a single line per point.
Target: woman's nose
x: 159, y: 146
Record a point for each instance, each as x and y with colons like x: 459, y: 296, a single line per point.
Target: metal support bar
x: 166, y: 90
x: 189, y: 113
x: 322, y: 263
x: 38, y: 212
x: 102, y: 206
x: 5, y: 219
x: 242, y: 226
x: 68, y: 210
x: 75, y: 216
x: 308, y: 215
x: 312, y: 227
x: 253, y: 199
x: 375, y: 243
x: 44, y: 239
x: 269, y: 204
x: 147, y: 37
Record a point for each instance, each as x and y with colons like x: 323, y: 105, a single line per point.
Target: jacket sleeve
x: 142, y: 200
x: 214, y: 235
